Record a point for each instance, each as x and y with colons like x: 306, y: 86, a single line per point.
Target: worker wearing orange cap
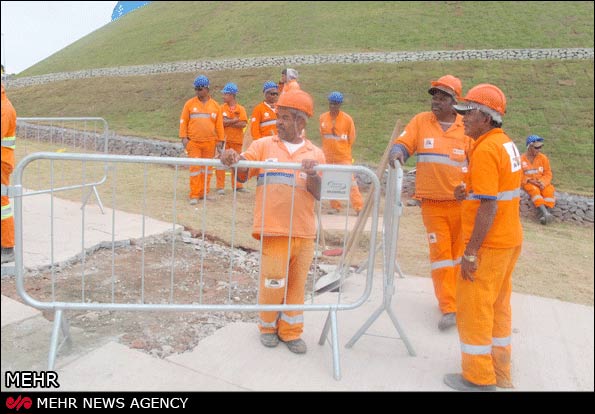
x: 234, y: 122
x: 338, y: 136
x: 442, y: 148
x: 9, y: 128
x: 284, y: 229
x: 263, y: 122
x: 492, y: 235
x: 201, y: 127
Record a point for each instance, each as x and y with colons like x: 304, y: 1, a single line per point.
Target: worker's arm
x: 313, y: 180
x: 484, y: 218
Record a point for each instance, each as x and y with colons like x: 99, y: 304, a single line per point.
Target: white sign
x: 336, y: 185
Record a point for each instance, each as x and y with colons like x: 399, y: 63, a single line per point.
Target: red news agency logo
x: 18, y: 403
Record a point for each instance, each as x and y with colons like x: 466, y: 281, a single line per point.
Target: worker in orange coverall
x: 291, y: 83
x: 537, y: 178
x: 281, y: 232
x: 442, y: 149
x: 493, y: 236
x: 234, y: 122
x: 201, y: 126
x: 9, y: 127
x: 263, y: 122
x: 338, y: 135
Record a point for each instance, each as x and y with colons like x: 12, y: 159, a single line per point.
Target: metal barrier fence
x: 76, y: 134
x: 336, y: 180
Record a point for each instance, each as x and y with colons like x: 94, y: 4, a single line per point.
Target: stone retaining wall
x: 299, y: 60
x: 569, y: 207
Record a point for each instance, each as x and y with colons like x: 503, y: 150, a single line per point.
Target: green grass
x: 179, y: 31
x: 551, y: 98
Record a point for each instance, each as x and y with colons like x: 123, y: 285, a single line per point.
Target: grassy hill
x: 178, y: 31
x: 549, y: 97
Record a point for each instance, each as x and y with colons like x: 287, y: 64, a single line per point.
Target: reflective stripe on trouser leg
x: 204, y: 149
x: 534, y: 194
x: 7, y: 213
x: 442, y: 221
x: 272, y: 283
x: 484, y: 316
x: 549, y: 195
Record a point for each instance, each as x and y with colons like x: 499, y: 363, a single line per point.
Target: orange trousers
x: 7, y: 213
x: 279, y: 285
x: 484, y: 318
x: 220, y: 173
x: 199, y: 184
x: 442, y: 220
x: 540, y: 197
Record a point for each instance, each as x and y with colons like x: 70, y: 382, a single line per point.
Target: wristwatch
x: 470, y: 259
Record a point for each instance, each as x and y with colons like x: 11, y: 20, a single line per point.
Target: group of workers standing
x: 469, y: 176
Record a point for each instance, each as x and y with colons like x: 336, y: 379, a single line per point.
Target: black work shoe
x: 297, y: 346
x: 270, y: 340
x: 457, y: 382
x: 447, y: 320
x: 7, y: 254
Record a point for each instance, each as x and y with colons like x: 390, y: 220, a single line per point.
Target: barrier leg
x: 365, y: 327
x: 335, y: 338
x: 93, y: 190
x: 324, y: 334
x: 54, y: 339
x: 401, y: 332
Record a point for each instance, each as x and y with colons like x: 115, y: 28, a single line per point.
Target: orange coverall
x: 9, y: 127
x: 263, y: 121
x: 538, y: 170
x: 203, y: 125
x: 234, y: 139
x: 441, y: 166
x: 484, y: 313
x: 278, y: 283
x: 338, y: 136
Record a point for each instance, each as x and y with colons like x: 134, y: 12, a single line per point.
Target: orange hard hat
x: 448, y: 84
x: 297, y: 99
x: 488, y: 95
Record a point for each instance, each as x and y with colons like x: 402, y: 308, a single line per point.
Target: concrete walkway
x: 553, y: 345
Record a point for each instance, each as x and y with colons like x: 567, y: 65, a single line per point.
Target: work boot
x: 242, y: 190
x: 503, y: 383
x: 457, y: 382
x: 7, y: 254
x: 447, y: 320
x: 270, y: 340
x: 297, y: 346
x: 220, y: 191
x: 546, y: 217
x: 193, y: 201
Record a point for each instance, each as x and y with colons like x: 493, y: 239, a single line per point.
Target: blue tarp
x: 124, y: 7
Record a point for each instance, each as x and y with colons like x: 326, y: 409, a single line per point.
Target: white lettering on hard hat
x: 274, y: 283
x: 432, y: 237
x: 428, y: 142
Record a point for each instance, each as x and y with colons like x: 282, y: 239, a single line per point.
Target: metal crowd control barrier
x: 393, y: 205
x: 83, y: 301
x: 53, y: 131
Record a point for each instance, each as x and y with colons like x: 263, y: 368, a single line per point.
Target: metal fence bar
x: 99, y: 305
x: 51, y: 120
